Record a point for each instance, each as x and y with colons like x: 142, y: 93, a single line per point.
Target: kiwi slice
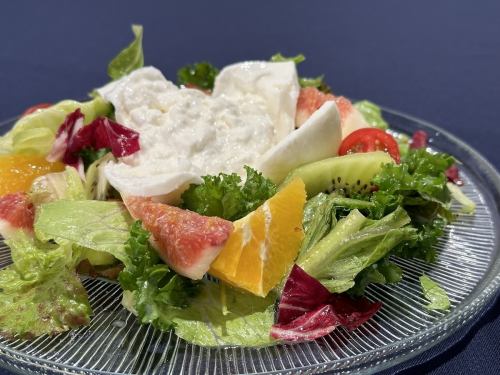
x: 351, y: 173
x: 96, y: 185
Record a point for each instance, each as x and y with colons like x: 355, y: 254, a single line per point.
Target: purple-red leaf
x: 72, y: 137
x: 309, y: 326
x: 104, y: 133
x: 419, y: 139
x: 453, y: 175
x: 302, y: 293
x: 307, y: 310
x: 71, y: 125
x: 353, y: 312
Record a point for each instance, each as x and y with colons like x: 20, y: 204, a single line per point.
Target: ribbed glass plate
x: 468, y: 268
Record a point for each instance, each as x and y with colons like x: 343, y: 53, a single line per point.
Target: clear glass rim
x: 470, y: 308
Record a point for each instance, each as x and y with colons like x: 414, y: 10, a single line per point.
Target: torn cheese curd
x: 185, y: 134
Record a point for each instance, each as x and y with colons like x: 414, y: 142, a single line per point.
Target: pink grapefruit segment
x: 16, y: 213
x: 311, y: 99
x: 186, y: 241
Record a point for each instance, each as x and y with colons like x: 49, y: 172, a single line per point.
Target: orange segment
x: 264, y: 244
x: 17, y: 172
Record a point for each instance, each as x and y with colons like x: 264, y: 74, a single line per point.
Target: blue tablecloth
x: 438, y: 60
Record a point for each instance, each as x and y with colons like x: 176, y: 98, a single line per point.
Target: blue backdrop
x: 438, y: 60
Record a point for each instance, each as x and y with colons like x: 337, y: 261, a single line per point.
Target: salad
x: 242, y: 206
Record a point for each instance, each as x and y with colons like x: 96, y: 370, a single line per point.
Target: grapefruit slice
x: 16, y: 213
x: 186, y: 241
x: 311, y: 99
x: 264, y: 244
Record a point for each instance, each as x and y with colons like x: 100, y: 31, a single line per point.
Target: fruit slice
x: 264, y: 244
x: 17, y: 172
x: 16, y: 213
x: 186, y: 241
x: 311, y: 99
x: 322, y: 130
x: 352, y: 173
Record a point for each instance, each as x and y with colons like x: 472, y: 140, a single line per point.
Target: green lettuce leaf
x: 381, y: 272
x: 96, y: 225
x: 372, y: 114
x: 54, y: 186
x: 156, y: 294
x: 201, y: 75
x: 224, y: 195
x: 221, y: 315
x: 35, y: 133
x: 354, y: 244
x: 40, y: 292
x: 130, y: 58
x: 435, y: 294
x: 318, y: 220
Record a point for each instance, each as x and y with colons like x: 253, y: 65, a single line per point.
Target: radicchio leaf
x: 353, y: 312
x: 71, y: 125
x: 307, y: 310
x: 453, y: 175
x: 102, y: 133
x: 302, y: 293
x: 419, y: 139
x: 308, y: 326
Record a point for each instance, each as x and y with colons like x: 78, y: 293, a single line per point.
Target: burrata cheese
x: 185, y: 133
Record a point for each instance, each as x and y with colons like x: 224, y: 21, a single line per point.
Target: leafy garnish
x: 319, y: 219
x: 354, y: 244
x: 297, y: 59
x: 434, y: 293
x: 372, y: 114
x: 157, y: 292
x: 199, y: 75
x: 58, y: 185
x: 317, y: 82
x: 421, y: 174
x: 40, y: 292
x: 419, y: 185
x: 130, y: 58
x: 96, y: 225
x: 224, y: 195
x: 381, y: 272
x: 307, y: 310
x: 221, y: 315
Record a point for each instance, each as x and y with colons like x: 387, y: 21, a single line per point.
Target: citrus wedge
x: 264, y: 244
x: 17, y: 172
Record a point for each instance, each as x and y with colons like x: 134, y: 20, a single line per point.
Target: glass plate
x: 468, y: 268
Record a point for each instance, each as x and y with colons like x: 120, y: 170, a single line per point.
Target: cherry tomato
x: 370, y: 139
x: 35, y: 107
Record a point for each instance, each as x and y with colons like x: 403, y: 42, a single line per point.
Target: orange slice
x: 17, y: 172
x: 264, y: 244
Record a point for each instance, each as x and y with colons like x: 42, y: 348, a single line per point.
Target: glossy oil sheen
x: 468, y: 267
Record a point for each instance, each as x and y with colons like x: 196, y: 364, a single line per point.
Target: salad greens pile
x: 349, y: 243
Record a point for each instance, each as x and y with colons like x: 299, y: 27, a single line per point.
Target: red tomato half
x: 35, y: 107
x: 370, y: 139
